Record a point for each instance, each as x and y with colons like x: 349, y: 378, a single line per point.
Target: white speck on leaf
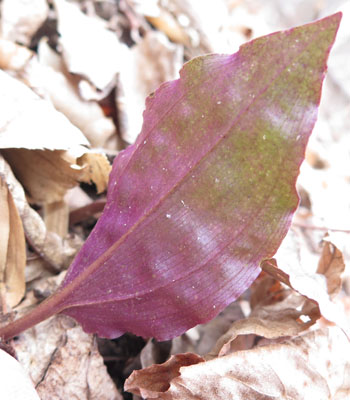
x: 168, y: 215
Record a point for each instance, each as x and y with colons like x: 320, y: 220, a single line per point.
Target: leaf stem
x: 44, y: 310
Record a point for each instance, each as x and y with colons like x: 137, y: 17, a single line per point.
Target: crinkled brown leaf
x: 312, y: 366
x: 291, y: 268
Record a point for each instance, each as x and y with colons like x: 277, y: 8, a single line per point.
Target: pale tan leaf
x: 56, y: 217
x: 57, y: 252
x: 27, y: 121
x: 311, y: 366
x: 52, y: 77
x: 92, y: 50
x: 163, y: 60
x: 96, y: 169
x: 12, y: 249
x: 14, y: 381
x: 46, y: 175
x: 20, y: 19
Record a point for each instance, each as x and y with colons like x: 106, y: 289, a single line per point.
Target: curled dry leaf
x: 151, y: 381
x: 292, y: 269
x: 20, y: 19
x: 12, y: 250
x: 318, y: 360
x: 274, y: 321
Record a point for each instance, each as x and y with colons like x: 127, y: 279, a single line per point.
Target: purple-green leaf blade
x: 206, y: 192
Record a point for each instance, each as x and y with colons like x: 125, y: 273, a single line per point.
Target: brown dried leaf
x: 297, y: 270
x: 311, y: 366
x: 12, y: 250
x: 289, y: 317
x: 331, y: 265
x: 154, y: 380
x: 63, y: 362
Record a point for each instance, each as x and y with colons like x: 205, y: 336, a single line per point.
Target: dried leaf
x: 59, y: 351
x: 289, y: 267
x: 52, y: 77
x: 150, y: 381
x: 273, y: 321
x: 24, y: 111
x: 12, y: 250
x: 318, y: 361
x: 331, y: 265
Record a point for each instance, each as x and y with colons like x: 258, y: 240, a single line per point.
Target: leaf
x: 205, y: 194
x: 319, y: 361
x: 290, y: 267
x: 12, y: 249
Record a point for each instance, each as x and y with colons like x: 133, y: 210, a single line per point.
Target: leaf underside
x: 207, y: 191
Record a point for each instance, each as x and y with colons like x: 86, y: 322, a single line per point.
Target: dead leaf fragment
x: 331, y: 265
x: 311, y: 366
x: 96, y: 169
x: 12, y: 250
x: 152, y: 381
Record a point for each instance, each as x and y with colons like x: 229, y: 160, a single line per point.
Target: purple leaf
x: 207, y: 191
